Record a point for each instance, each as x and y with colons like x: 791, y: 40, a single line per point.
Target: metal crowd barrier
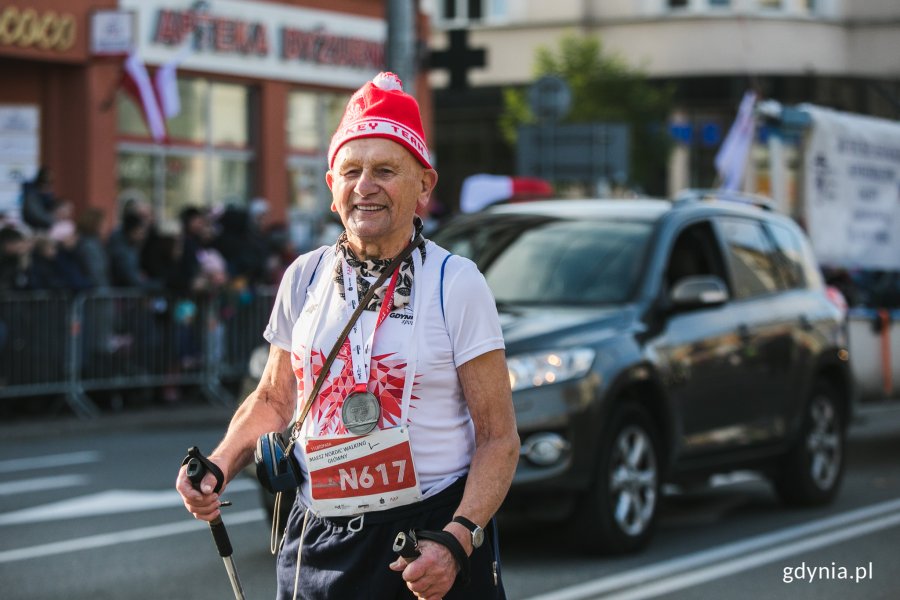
x: 52, y: 344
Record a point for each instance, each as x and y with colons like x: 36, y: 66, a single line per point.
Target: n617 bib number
x: 383, y: 472
x: 367, y: 478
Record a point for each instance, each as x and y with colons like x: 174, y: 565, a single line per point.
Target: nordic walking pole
x: 197, y: 466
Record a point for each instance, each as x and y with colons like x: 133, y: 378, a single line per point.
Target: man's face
x: 376, y: 186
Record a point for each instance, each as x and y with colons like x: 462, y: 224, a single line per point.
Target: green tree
x: 604, y: 88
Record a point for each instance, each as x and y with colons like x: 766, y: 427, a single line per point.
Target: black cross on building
x: 458, y: 58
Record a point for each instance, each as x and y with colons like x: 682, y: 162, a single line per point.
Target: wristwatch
x: 476, y: 531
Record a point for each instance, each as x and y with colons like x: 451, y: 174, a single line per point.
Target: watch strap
x: 471, y: 526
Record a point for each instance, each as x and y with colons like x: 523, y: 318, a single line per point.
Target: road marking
x: 39, y: 484
x: 141, y: 534
x: 109, y: 503
x: 764, y: 557
x: 703, y: 558
x: 49, y: 461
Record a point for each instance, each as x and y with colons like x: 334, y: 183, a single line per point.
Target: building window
x: 678, y: 3
x: 770, y: 4
x: 462, y: 12
x: 312, y: 120
x: 207, y: 159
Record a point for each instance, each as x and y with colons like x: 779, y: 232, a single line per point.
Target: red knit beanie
x: 381, y: 108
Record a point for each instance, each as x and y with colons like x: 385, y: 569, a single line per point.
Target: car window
x: 480, y: 238
x: 751, y: 258
x: 694, y: 253
x: 553, y: 261
x: 570, y: 262
x: 788, y: 256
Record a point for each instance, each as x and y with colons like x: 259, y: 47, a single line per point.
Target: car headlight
x: 542, y: 368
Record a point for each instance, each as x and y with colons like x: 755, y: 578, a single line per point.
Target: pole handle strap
x: 198, y: 465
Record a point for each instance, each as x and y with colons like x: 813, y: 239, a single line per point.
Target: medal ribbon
x: 361, y: 354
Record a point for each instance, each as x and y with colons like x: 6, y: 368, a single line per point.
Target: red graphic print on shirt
x: 387, y: 378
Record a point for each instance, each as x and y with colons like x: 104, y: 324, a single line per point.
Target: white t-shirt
x: 456, y: 322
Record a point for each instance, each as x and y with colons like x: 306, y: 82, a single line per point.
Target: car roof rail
x: 696, y: 195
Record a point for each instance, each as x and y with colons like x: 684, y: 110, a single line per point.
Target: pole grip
x: 220, y: 535
x: 198, y: 465
x: 405, y: 544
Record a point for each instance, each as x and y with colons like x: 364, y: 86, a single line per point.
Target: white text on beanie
x: 380, y: 108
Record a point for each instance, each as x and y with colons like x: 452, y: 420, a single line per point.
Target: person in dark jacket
x: 124, y: 250
x: 15, y: 254
x: 39, y: 205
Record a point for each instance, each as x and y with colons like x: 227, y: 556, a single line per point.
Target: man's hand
x: 431, y: 575
x: 203, y: 504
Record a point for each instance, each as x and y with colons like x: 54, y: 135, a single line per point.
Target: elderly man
x: 410, y: 425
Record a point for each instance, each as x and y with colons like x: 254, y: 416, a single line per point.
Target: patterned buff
x: 374, y: 268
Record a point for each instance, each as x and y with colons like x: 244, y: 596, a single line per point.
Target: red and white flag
x: 481, y: 190
x: 137, y: 83
x: 731, y: 159
x: 166, y: 83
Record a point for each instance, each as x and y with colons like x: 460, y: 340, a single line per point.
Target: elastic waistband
x: 447, y: 497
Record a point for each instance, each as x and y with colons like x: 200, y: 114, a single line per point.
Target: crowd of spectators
x: 205, y: 251
x: 211, y: 259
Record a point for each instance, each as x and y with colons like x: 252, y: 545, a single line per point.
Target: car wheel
x: 814, y: 467
x: 619, y: 512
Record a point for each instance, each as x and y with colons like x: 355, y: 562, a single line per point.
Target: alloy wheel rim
x: 824, y: 444
x: 633, y: 479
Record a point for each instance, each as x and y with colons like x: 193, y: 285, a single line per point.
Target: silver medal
x: 361, y: 413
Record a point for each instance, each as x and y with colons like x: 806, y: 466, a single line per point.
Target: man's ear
x: 429, y: 180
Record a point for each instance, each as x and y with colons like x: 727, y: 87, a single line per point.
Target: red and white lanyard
x: 361, y: 353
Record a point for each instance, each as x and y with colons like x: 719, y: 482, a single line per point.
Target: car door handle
x: 805, y: 323
x: 743, y: 332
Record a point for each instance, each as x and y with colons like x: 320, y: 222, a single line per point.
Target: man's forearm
x: 490, y: 475
x: 256, y: 416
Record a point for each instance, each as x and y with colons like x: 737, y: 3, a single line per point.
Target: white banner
x: 852, y: 189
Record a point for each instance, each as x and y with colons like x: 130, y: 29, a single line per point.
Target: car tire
x: 618, y: 514
x: 812, y: 470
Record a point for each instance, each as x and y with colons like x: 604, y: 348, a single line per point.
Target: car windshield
x: 543, y: 260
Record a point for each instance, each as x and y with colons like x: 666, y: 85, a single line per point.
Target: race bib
x: 350, y: 475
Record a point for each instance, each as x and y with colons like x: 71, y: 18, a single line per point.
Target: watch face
x: 477, y: 537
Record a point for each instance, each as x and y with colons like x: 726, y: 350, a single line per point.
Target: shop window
x: 190, y: 124
x: 303, y: 130
x: 207, y: 159
x: 185, y: 178
x: 136, y: 175
x: 312, y: 119
x: 228, y: 115
x: 230, y: 179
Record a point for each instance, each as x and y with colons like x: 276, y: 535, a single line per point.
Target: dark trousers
x: 340, y: 564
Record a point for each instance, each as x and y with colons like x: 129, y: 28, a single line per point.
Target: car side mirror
x: 699, y: 290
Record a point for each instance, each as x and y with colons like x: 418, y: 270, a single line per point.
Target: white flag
x: 166, y: 83
x: 137, y: 83
x: 731, y: 159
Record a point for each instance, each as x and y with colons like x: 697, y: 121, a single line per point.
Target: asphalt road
x: 87, y: 511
